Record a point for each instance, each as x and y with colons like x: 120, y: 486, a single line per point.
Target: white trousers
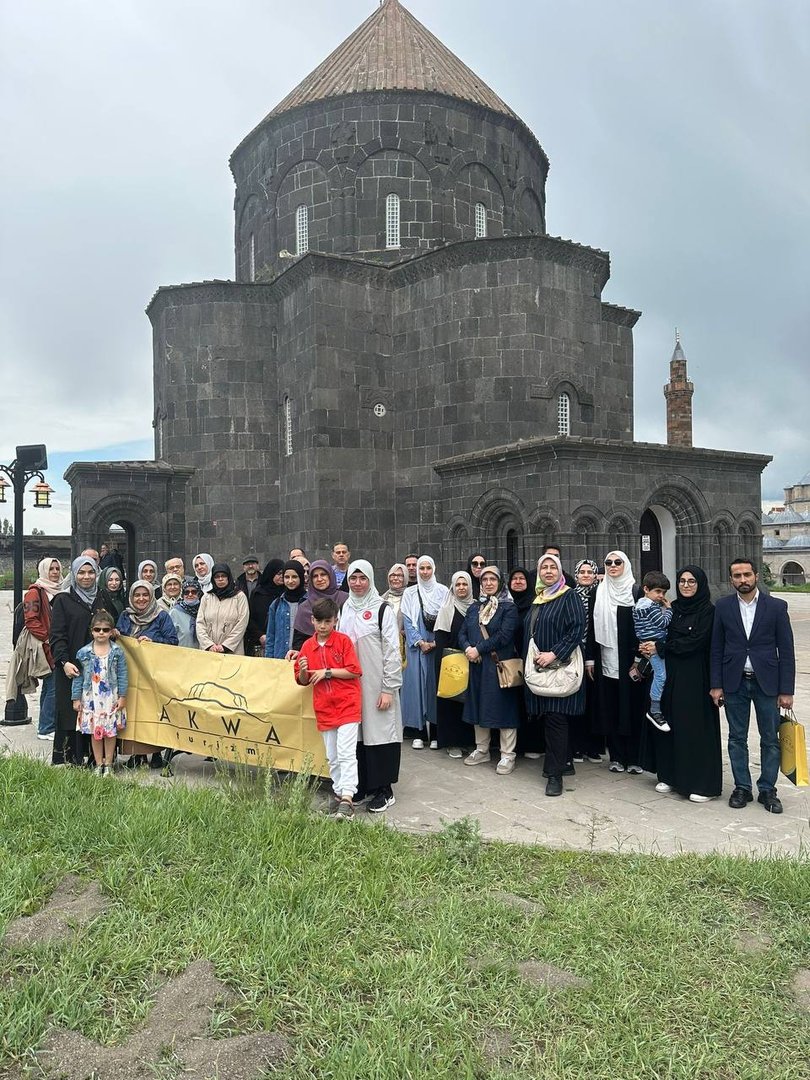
x: 341, y: 753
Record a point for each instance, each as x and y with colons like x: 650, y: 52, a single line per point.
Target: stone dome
x: 800, y: 541
x: 772, y: 543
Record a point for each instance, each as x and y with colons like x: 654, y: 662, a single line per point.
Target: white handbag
x: 559, y: 679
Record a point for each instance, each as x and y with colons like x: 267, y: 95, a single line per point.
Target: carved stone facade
x: 357, y: 391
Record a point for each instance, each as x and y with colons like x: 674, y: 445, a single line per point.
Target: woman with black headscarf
x: 269, y: 587
x: 688, y: 759
x: 281, y: 616
x: 475, y: 568
x: 223, y: 615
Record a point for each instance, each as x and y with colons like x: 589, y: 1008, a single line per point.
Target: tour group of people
x: 537, y: 662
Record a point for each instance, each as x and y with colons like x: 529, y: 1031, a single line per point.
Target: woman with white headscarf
x: 203, y: 564
x: 452, y: 734
x: 420, y: 606
x: 37, y: 614
x: 621, y: 698
x: 71, y: 613
x: 370, y: 623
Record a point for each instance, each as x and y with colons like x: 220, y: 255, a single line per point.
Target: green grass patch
x: 387, y: 957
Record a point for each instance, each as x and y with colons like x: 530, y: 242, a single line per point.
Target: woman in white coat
x: 372, y: 627
x: 223, y: 614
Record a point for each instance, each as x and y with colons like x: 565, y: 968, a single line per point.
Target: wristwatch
x: 327, y: 673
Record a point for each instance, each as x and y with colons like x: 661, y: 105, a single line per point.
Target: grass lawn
x: 383, y: 956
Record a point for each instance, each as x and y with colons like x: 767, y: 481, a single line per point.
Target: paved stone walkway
x: 599, y: 810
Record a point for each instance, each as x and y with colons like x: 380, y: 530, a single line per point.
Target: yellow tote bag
x: 454, y: 674
x: 793, y: 750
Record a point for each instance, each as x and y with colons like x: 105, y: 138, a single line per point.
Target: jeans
x: 738, y: 714
x: 659, y: 669
x: 47, y: 706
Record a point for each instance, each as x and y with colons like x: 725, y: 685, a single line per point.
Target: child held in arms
x: 99, y: 691
x: 327, y: 662
x: 651, y: 619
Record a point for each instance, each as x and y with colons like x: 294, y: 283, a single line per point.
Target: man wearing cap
x: 246, y: 583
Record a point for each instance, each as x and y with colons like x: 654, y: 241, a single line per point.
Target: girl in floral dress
x: 99, y: 692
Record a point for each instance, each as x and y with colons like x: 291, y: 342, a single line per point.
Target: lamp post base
x: 16, y: 713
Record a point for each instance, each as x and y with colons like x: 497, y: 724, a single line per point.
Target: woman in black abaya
x: 688, y: 759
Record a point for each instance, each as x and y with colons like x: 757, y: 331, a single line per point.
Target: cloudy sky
x: 678, y: 136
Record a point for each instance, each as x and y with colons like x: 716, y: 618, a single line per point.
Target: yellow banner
x: 237, y: 708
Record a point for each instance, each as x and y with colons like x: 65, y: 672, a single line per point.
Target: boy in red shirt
x: 329, y: 664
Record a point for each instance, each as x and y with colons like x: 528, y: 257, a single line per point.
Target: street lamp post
x: 30, y: 462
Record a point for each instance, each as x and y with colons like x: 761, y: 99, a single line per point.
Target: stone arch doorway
x: 144, y: 498
x: 658, y: 551
x: 793, y: 574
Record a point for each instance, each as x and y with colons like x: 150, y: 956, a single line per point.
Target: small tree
x: 6, y: 528
x: 768, y: 580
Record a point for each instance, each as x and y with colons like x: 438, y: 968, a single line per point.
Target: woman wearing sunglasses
x: 621, y: 694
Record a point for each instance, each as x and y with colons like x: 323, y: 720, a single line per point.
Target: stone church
x: 406, y: 359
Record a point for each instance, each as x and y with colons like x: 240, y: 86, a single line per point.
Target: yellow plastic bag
x: 454, y: 675
x: 793, y: 750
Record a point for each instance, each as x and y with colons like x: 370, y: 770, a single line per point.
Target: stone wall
x: 342, y: 157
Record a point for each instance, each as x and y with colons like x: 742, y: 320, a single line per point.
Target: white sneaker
x: 48, y: 737
x: 635, y: 770
x: 662, y: 788
x: 454, y: 752
x: 434, y: 745
x: 700, y: 798
x: 532, y: 756
x: 505, y: 766
x: 616, y: 766
x: 477, y: 757
x: 418, y: 744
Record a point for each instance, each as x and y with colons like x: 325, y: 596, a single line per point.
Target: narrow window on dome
x: 480, y: 221
x: 563, y: 414
x: 287, y: 428
x: 392, y: 221
x: 301, y: 230
x: 252, y: 258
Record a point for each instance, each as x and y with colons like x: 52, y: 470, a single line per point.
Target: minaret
x: 678, y: 392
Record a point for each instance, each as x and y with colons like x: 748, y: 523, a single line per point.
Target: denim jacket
x: 116, y: 671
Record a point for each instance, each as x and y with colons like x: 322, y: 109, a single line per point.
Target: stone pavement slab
x: 599, y: 810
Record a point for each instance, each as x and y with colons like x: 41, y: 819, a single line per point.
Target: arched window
x: 392, y: 221
x: 480, y: 221
x: 301, y: 230
x: 252, y: 258
x: 287, y: 427
x: 564, y: 414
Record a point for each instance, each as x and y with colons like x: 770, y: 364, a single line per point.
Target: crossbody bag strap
x: 483, y: 629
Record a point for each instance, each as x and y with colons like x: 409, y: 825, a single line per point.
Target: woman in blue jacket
x: 490, y: 627
x: 281, y: 616
x: 144, y: 618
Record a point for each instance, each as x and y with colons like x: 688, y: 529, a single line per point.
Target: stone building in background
x: 406, y: 360
x: 786, y: 536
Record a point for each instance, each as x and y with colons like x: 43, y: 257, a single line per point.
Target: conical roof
x: 392, y: 50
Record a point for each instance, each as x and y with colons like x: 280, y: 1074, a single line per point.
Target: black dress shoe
x: 554, y: 785
x: 739, y: 797
x: 770, y: 801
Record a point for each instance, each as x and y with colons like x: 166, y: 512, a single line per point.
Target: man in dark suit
x: 752, y: 661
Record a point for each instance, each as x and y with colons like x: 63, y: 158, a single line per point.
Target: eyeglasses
x: 102, y: 629
x: 475, y: 562
x: 614, y: 562
x: 686, y: 581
